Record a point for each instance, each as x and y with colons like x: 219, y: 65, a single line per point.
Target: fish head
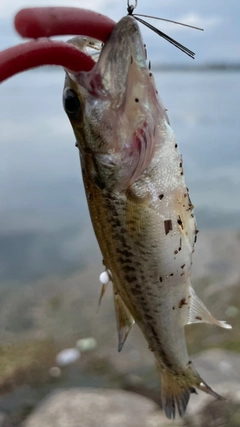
x: 114, y: 108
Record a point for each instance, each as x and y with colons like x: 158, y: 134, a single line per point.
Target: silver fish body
x: 139, y: 205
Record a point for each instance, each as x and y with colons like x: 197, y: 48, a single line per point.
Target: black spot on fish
x: 120, y: 237
x: 128, y: 269
x: 171, y: 274
x: 138, y: 264
x: 135, y: 291
x: 161, y: 196
x: 182, y: 302
x: 154, y: 332
x: 176, y: 145
x: 125, y: 252
x: 179, y: 221
x: 129, y: 279
x: 148, y: 316
x: 136, y: 100
x: 173, y: 308
x: 123, y: 260
x: 198, y: 318
x: 123, y: 230
x: 176, y: 252
x: 160, y: 278
x: 195, y: 239
x: 182, y: 266
x: 116, y: 222
x: 98, y: 182
x: 180, y: 244
x: 167, y: 225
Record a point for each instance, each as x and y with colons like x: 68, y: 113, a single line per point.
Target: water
x: 44, y: 222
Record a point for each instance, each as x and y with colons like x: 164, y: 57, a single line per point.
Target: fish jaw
x: 119, y: 104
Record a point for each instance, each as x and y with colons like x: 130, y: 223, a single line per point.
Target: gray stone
x: 96, y: 408
x: 221, y: 370
x: 218, y: 366
x: 3, y: 419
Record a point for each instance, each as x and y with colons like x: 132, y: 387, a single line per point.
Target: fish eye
x: 71, y: 103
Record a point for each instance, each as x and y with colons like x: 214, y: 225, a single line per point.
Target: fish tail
x: 175, y: 393
x: 176, y: 389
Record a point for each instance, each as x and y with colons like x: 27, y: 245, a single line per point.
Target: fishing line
x: 130, y: 9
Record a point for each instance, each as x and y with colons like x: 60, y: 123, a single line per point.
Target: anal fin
x: 199, y: 313
x: 124, y: 320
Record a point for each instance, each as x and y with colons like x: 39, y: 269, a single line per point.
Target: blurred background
x: 49, y: 257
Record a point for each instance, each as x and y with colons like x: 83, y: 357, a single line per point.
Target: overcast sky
x: 219, y: 18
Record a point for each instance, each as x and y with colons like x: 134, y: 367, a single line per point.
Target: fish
x: 140, y: 206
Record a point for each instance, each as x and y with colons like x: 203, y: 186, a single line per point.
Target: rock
x: 220, y: 369
x: 86, y: 344
x: 67, y: 356
x: 95, y: 408
x: 218, y: 366
x: 3, y: 419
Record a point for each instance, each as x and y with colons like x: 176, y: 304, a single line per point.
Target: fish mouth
x: 123, y: 50
x: 123, y: 54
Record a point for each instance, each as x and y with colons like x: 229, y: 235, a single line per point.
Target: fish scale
x: 145, y: 303
x: 139, y: 206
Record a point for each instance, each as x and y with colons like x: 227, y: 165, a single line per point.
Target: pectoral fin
x: 199, y: 313
x: 124, y: 320
x: 104, y: 280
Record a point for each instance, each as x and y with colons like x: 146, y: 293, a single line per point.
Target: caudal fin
x: 176, y: 390
x: 175, y: 394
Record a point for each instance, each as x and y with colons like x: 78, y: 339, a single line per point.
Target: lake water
x: 44, y: 222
